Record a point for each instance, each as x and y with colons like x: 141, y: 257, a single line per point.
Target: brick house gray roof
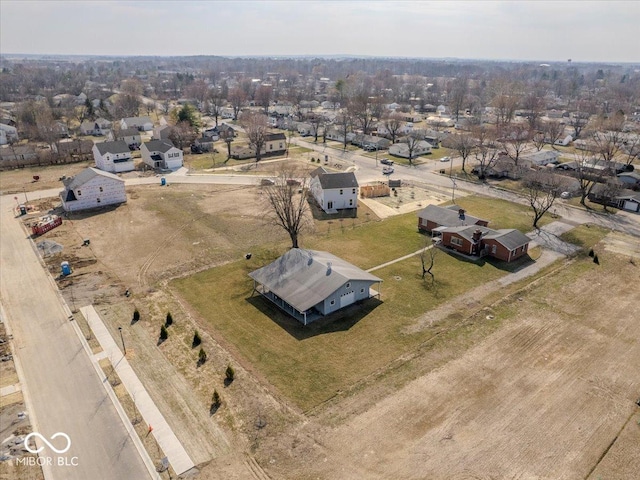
x: 304, y: 278
x: 118, y: 146
x: 510, y: 238
x: 447, y: 216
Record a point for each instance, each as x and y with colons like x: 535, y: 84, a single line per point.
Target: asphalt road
x: 64, y: 390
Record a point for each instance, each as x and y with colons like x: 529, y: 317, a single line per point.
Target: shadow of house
x: 310, y: 284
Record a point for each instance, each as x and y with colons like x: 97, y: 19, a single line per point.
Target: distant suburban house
x: 563, y: 142
x: 78, y: 149
x: 131, y: 136
x: 114, y: 157
x: 92, y: 188
x: 334, y: 191
x: 309, y: 284
x: 161, y: 154
x: 8, y: 134
x: 97, y: 127
x: 504, y: 167
x: 630, y: 179
x: 143, y: 124
x: 369, y: 142
x: 402, y: 149
x: 337, y: 135
x: 434, y: 216
x: 625, y: 199
x: 274, y: 144
x: 505, y: 244
x: 161, y: 132
x: 18, y: 154
x: 542, y: 158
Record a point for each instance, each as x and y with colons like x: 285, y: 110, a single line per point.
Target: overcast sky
x: 602, y: 31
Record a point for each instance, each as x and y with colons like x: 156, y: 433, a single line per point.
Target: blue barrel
x: 66, y: 268
x: 163, y: 181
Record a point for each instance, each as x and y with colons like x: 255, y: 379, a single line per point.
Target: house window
x: 341, y: 191
x: 271, y: 146
x: 456, y: 241
x: 494, y: 249
x: 332, y: 302
x: 98, y: 200
x: 280, y: 144
x: 329, y: 205
x: 347, y: 285
x: 362, y: 290
x: 101, y: 189
x: 79, y: 193
x: 353, y: 191
x: 351, y: 202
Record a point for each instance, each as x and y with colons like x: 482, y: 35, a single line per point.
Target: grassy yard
x: 310, y: 364
x: 585, y: 236
x: 500, y: 213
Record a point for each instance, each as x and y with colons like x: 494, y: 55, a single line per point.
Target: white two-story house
x: 334, y: 191
x: 162, y: 154
x: 8, y: 134
x: 114, y: 157
x: 143, y: 124
x: 92, y: 188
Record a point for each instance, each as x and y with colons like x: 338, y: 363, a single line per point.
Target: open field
x: 533, y: 380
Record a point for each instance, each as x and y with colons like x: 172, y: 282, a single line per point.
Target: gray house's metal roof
x: 158, y: 146
x: 304, y: 278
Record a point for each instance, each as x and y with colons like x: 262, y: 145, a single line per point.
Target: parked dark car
x: 386, y: 161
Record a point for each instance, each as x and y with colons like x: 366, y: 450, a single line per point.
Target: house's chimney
x: 476, y: 235
x: 328, y: 268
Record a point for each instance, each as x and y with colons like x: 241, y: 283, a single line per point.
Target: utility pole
x: 122, y: 338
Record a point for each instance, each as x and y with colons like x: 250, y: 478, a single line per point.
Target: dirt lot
x: 544, y: 393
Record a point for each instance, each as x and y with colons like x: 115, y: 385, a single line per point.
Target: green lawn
x: 585, y: 236
x: 501, y: 213
x: 311, y: 364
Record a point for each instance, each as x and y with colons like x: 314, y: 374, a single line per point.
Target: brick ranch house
x: 475, y: 240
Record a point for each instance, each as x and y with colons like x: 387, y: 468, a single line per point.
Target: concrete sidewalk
x: 169, y: 443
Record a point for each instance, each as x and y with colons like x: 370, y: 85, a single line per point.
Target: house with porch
x: 161, y: 154
x: 92, y: 188
x: 334, y: 191
x: 310, y: 284
x: 475, y: 240
x: 114, y: 157
x: 131, y: 136
x: 97, y: 127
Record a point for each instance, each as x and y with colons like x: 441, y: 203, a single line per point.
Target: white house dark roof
x: 158, y: 146
x: 304, y: 278
x: 448, y: 217
x: 133, y: 121
x: 86, y: 175
x: 128, y: 132
x: 112, y: 147
x: 330, y: 181
x: 269, y: 137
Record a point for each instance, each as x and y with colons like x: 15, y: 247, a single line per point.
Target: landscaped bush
x: 169, y: 321
x: 229, y: 374
x: 197, y: 340
x: 164, y: 333
x: 136, y: 315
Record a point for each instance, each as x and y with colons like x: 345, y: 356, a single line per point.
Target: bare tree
x: 428, y: 258
x: 542, y: 189
x: 458, y: 95
x: 538, y: 140
x: 609, y: 191
x: 464, y: 144
x: 287, y: 203
x: 578, y: 121
x: 343, y: 124
x: 553, y: 131
x: 486, y: 151
x: 533, y: 104
x: 393, y: 122
x: 514, y: 140
x: 413, y: 142
x: 263, y: 97
x: 256, y: 127
x: 361, y: 111
x: 216, y: 102
x: 182, y: 134
x: 237, y: 98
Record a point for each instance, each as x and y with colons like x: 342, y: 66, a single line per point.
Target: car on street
x: 565, y: 195
x: 445, y: 159
x: 387, y: 170
x: 386, y: 161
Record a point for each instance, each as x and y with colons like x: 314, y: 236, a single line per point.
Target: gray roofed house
x: 504, y: 244
x: 509, y: 237
x: 434, y: 216
x: 334, y: 191
x: 92, y: 188
x: 308, y: 284
x: 116, y: 147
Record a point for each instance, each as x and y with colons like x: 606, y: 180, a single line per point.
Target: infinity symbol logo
x: 39, y: 449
